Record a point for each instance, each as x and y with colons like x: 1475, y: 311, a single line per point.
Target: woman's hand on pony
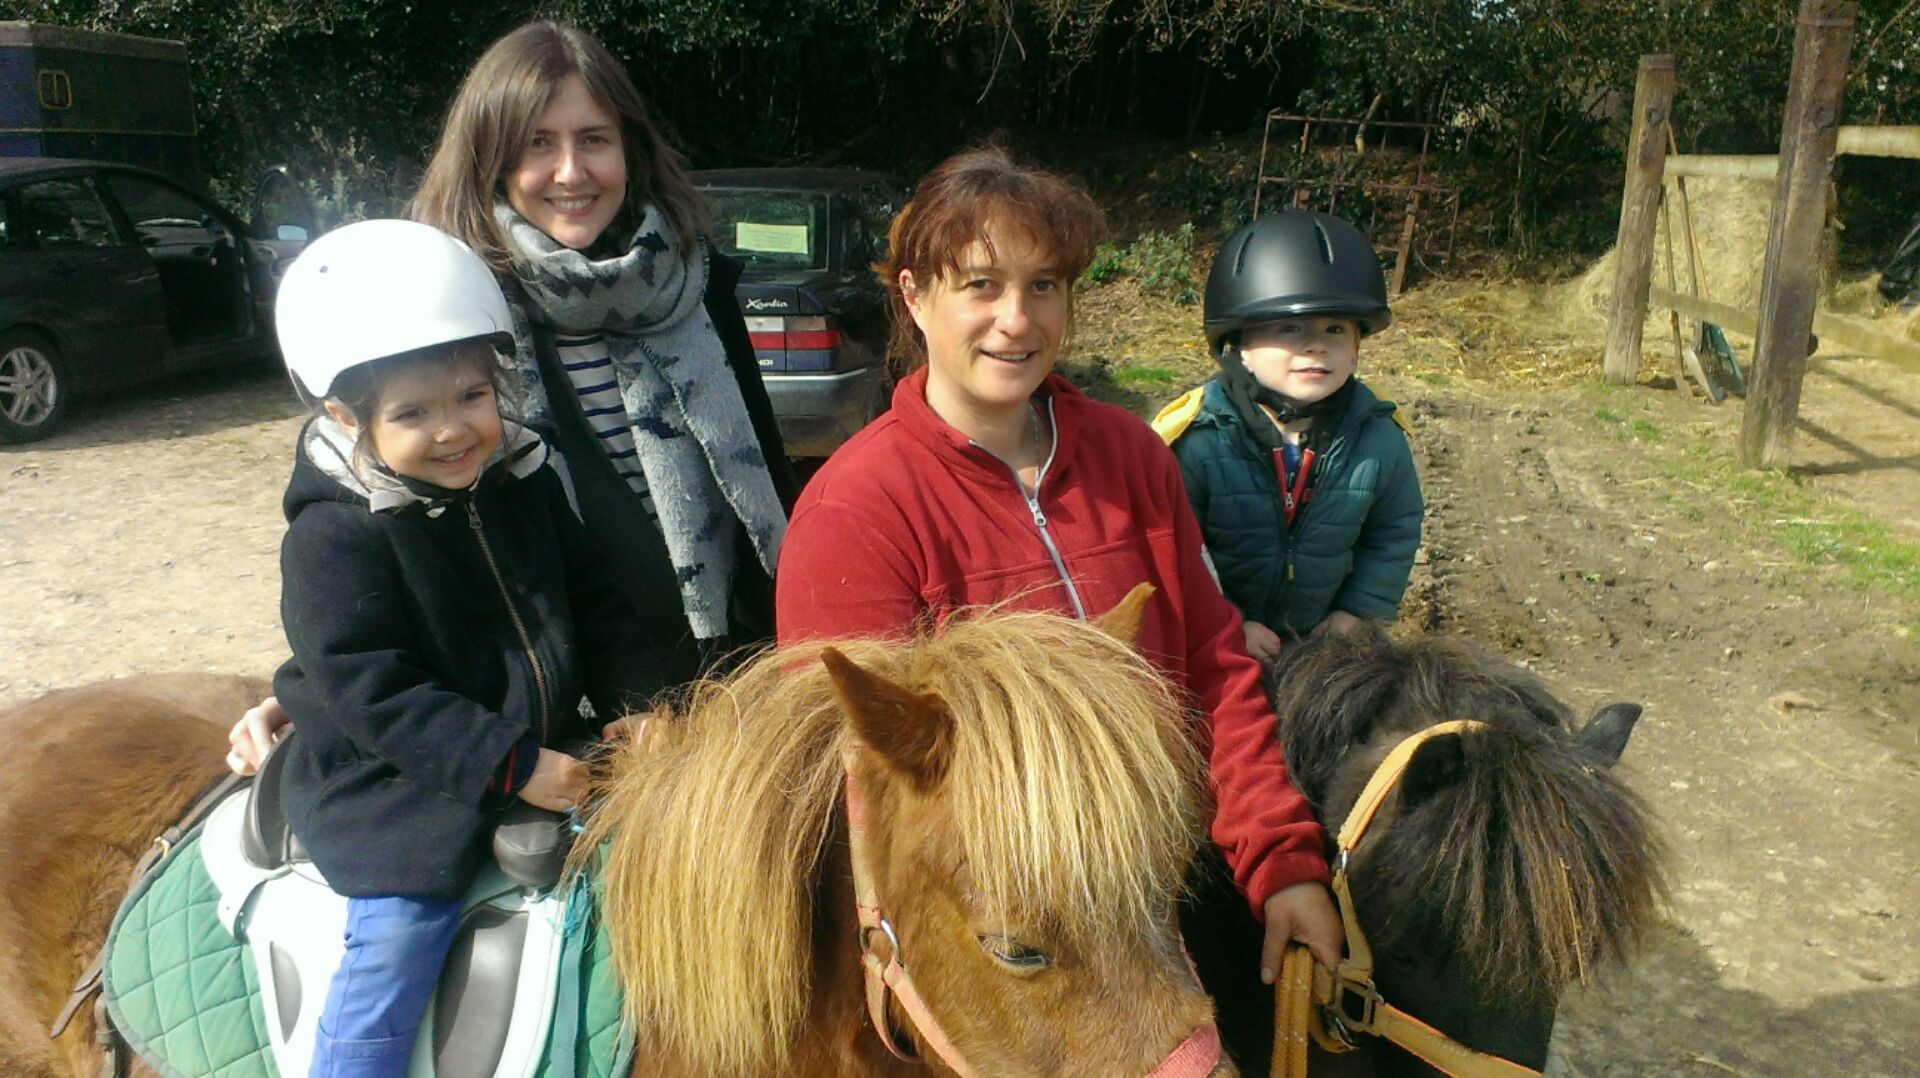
x: 264, y: 724
x: 1262, y: 643
x: 1302, y: 913
x: 559, y: 782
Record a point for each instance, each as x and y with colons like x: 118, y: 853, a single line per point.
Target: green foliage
x: 1203, y: 190
x: 356, y: 88
x: 1109, y: 264
x: 1163, y: 263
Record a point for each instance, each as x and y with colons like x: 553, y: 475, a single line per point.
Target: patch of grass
x: 1606, y: 415
x: 1124, y: 328
x: 1771, y: 507
x: 1148, y: 377
x: 1642, y: 431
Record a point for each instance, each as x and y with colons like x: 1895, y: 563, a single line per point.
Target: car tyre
x: 34, y: 388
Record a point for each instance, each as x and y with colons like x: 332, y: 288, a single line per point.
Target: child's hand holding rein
x: 559, y: 782
x: 1339, y: 622
x: 1262, y: 643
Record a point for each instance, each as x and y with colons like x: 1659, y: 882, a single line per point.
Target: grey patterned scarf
x: 696, y: 445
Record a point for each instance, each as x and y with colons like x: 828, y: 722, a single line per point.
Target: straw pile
x: 1730, y: 231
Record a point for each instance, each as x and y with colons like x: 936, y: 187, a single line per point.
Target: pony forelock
x: 1537, y: 867
x: 1073, y: 790
x: 1075, y: 785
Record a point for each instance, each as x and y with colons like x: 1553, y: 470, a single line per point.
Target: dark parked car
x: 112, y: 275
x: 817, y: 314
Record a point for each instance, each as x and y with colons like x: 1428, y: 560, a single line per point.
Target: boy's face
x: 1304, y: 358
x: 435, y: 422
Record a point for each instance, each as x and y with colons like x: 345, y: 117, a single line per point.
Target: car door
x: 284, y: 219
x: 73, y: 270
x: 200, y: 260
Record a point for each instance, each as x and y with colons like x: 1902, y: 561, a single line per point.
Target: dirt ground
x: 144, y: 538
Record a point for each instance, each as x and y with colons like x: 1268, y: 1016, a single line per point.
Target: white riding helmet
x: 375, y: 289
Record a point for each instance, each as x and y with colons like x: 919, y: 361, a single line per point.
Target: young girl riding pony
x: 445, y: 609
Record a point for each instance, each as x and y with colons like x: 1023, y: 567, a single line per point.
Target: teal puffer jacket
x: 1351, y: 548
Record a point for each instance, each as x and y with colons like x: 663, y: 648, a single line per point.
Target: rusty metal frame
x: 1304, y: 189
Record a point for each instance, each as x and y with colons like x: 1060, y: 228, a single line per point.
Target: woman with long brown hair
x: 632, y: 353
x: 631, y: 357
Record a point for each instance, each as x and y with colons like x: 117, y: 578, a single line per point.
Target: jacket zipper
x: 1032, y: 498
x: 513, y: 614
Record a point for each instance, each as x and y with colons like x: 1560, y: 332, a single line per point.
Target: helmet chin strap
x: 1248, y: 397
x: 1285, y: 408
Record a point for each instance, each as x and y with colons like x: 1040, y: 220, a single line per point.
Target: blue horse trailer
x: 100, y: 96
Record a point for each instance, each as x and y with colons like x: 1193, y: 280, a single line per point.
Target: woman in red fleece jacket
x: 992, y: 479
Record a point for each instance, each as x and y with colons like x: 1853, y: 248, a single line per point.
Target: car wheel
x: 34, y: 388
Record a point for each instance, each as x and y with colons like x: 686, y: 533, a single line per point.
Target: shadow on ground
x: 1672, y: 1014
x: 197, y: 404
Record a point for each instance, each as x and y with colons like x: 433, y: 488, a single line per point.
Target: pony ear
x: 1605, y: 735
x: 1123, y: 621
x: 912, y: 731
x: 1437, y: 764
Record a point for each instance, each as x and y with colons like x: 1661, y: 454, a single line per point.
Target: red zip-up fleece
x: 910, y: 520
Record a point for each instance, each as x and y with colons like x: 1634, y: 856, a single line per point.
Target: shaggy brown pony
x: 1510, y: 863
x: 94, y: 773
x: 1031, y: 789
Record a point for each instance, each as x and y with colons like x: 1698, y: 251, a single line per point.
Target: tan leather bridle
x: 1331, y: 1008
x: 886, y: 972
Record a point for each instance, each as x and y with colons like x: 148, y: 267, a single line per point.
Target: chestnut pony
x: 1031, y: 800
x: 1509, y: 863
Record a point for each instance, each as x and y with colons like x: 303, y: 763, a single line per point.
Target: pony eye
x: 1009, y: 952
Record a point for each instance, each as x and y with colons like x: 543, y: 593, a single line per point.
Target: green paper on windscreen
x: 771, y: 239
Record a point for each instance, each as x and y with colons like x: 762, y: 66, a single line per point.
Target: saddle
x: 493, y: 1015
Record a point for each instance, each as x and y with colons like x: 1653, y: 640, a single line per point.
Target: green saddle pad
x: 185, y: 995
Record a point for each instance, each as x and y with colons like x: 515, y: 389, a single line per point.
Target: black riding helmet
x: 1291, y: 263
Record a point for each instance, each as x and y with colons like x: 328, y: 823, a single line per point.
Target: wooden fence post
x: 1633, y: 248
x: 1790, y: 276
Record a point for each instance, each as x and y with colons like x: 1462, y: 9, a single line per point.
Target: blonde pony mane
x: 1074, y: 789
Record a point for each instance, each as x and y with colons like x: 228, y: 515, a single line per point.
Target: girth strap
x: 114, y: 1055
x: 89, y: 981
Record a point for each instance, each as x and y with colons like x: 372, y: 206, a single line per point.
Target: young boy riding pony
x: 1301, y: 478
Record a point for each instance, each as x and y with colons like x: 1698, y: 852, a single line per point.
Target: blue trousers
x: 395, y: 948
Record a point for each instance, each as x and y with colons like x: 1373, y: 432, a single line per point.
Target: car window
x: 771, y: 229
x: 66, y: 215
x: 162, y: 216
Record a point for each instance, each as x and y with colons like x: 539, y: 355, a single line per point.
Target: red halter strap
x: 886, y: 973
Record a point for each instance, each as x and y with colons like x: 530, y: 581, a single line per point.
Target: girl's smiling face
x: 435, y: 422
x: 1304, y: 358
